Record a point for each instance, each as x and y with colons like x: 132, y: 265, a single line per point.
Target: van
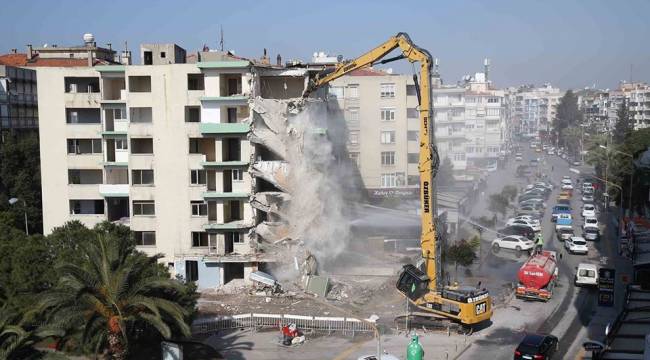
x: 586, y: 275
x: 560, y: 209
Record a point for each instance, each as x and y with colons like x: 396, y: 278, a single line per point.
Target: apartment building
x: 18, y: 100
x: 638, y: 97
x: 470, y: 125
x: 532, y: 109
x: 380, y: 110
x: 162, y: 149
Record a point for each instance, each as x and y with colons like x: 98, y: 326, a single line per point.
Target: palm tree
x: 113, y: 293
x: 15, y: 341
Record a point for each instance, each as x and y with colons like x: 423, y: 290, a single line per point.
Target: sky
x: 570, y: 44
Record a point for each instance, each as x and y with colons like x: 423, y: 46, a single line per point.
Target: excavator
x: 422, y: 286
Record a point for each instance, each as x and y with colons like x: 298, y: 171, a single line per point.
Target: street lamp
x: 12, y: 201
x: 631, y: 176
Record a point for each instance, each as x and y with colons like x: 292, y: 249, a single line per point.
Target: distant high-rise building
x: 531, y: 110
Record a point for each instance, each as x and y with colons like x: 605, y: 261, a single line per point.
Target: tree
x: 461, y: 253
x: 20, y: 177
x: 498, y: 204
x: 445, y: 176
x: 509, y: 192
x: 567, y: 114
x: 624, y: 125
x: 112, y: 294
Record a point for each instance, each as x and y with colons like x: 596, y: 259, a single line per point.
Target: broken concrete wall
x: 297, y: 131
x: 272, y: 202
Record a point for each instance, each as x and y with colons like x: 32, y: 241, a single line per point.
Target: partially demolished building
x: 193, y: 157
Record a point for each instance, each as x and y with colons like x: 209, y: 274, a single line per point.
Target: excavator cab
x: 412, y: 282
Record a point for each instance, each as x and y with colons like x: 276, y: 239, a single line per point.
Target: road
x: 570, y: 309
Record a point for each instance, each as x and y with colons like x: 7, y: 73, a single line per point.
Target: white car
x: 514, y: 242
x: 527, y: 217
x: 576, y: 245
x: 587, y: 198
x: 590, y: 221
x: 567, y: 187
x: 586, y: 275
x: 534, y: 225
x: 566, y: 177
x: 588, y: 210
x: 591, y: 233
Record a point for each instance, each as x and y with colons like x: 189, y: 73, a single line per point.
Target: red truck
x: 537, y: 276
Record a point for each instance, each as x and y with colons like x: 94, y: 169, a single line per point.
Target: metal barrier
x: 252, y: 321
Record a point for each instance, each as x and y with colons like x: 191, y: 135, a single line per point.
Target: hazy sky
x: 571, y: 44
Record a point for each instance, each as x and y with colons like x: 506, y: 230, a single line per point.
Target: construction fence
x: 348, y: 326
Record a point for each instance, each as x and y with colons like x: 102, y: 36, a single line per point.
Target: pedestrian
x: 552, y: 167
x: 539, y: 242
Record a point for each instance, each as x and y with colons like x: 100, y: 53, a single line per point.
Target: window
x: 412, y: 135
x: 199, y: 208
x: 195, y: 82
x: 413, y: 158
x: 387, y: 90
x: 470, y: 99
x: 121, y: 144
x: 412, y: 113
x: 387, y: 114
x: 86, y: 207
x: 85, y: 177
x: 192, y: 114
x: 388, y: 158
x: 388, y: 180
x: 84, y: 146
x: 413, y: 179
x: 493, y: 112
x: 457, y: 112
x: 459, y: 157
x: 411, y: 90
x: 493, y: 100
x: 191, y: 269
x: 141, y: 207
x: 141, y: 146
x: 492, y: 149
x: 195, y: 146
x: 140, y: 83
x: 354, y: 157
x: 469, y: 126
x: 237, y: 175
x: 352, y: 91
x: 118, y: 113
x: 145, y: 238
x: 388, y: 137
x: 199, y: 239
x: 354, y: 137
x: 198, y: 177
x: 142, y: 177
x: 235, y: 237
x: 141, y: 114
x: 163, y: 54
x: 353, y: 114
x: 336, y: 92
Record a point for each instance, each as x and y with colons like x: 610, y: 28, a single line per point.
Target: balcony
x: 224, y: 128
x: 82, y: 100
x: 114, y: 190
x: 233, y: 225
x: 213, y: 195
x: 227, y: 100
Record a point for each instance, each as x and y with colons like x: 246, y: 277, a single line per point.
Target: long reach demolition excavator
x: 466, y: 305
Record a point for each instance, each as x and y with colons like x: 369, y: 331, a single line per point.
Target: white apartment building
x: 162, y: 149
x: 533, y: 109
x: 470, y: 125
x: 380, y: 110
x: 638, y: 97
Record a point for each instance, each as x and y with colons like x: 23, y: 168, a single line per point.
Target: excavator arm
x: 428, y: 159
x: 425, y: 290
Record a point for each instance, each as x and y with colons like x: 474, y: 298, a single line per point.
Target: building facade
x: 162, y: 149
x: 380, y: 110
x: 18, y: 100
x: 532, y: 109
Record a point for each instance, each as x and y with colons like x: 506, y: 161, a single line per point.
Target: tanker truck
x: 537, y: 276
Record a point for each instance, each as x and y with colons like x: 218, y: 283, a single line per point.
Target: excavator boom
x: 425, y: 290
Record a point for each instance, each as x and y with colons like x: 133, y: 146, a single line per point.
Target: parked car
x: 564, y: 232
x: 525, y: 197
x: 530, y: 210
x: 519, y: 157
x: 518, y: 229
x: 567, y: 187
x: 576, y: 245
x: 532, y: 218
x: 533, y: 224
x: 576, y: 163
x: 586, y: 275
x: 564, y: 219
x: 538, y: 347
x: 588, y: 210
x: 590, y: 221
x: 591, y: 233
x: 534, y: 202
x: 513, y: 242
x: 587, y: 198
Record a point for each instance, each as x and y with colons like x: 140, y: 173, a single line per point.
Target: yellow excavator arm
x: 426, y: 290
